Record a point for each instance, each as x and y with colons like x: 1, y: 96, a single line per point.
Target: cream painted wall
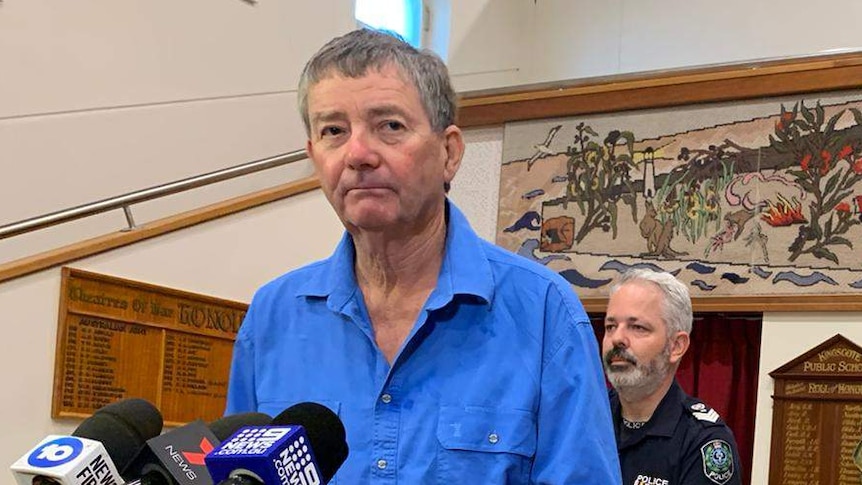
x: 503, y: 43
x: 101, y: 98
x: 109, y: 97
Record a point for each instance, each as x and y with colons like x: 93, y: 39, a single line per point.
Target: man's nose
x: 361, y: 154
x: 619, y: 338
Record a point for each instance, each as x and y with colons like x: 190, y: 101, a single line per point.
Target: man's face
x: 380, y: 163
x: 636, y: 351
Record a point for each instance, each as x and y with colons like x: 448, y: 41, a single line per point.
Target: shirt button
x: 386, y: 398
x: 381, y: 464
x: 493, y: 438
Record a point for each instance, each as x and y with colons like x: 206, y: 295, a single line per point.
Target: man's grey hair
x: 676, y: 304
x: 357, y: 52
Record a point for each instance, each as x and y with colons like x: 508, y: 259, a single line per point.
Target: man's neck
x: 406, y: 260
x: 638, y: 405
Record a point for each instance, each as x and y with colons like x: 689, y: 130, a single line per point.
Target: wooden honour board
x: 118, y: 339
x: 817, y: 416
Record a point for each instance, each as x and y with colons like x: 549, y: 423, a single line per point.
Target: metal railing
x: 127, y: 200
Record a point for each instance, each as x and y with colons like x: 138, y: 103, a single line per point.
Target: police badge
x: 717, y: 461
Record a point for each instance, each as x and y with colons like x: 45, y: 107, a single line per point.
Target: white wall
x: 99, y: 98
x: 497, y: 43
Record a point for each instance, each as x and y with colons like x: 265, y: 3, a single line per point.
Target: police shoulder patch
x: 717, y: 461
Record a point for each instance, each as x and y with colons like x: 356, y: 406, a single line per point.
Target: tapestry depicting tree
x: 760, y: 197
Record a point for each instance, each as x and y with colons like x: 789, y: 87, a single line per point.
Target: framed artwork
x: 755, y: 203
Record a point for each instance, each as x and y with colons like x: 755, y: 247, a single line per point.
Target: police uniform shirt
x: 685, y: 442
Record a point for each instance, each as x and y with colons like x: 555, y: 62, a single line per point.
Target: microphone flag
x: 269, y: 454
x: 67, y: 460
x: 179, y: 453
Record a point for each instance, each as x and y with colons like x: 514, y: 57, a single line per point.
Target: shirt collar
x: 666, y: 415
x: 663, y: 421
x: 465, y: 269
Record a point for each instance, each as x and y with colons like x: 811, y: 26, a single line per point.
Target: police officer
x: 664, y: 437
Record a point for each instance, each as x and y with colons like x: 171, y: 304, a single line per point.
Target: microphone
x: 305, y: 444
x: 66, y: 460
x: 95, y: 452
x: 177, y: 456
x: 174, y: 458
x: 123, y: 427
x: 223, y: 428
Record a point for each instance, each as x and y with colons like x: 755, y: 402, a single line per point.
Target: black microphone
x: 325, y: 431
x: 123, y: 427
x: 96, y: 451
x: 174, y: 458
x: 305, y: 444
x: 177, y: 457
x: 224, y: 427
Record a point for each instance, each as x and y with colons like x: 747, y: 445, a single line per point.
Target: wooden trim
x: 757, y: 304
x: 662, y: 89
x: 100, y: 244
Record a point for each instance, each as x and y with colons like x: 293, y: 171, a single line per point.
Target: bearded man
x: 664, y: 437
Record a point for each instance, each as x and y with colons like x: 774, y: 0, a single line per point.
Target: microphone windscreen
x: 140, y: 415
x: 223, y: 428
x: 325, y: 432
x: 123, y: 428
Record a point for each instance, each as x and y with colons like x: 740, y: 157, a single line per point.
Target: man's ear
x: 678, y: 346
x: 453, y: 141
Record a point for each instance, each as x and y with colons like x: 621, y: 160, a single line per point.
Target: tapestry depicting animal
x: 759, y: 198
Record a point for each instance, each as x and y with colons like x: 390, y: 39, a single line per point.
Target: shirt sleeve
x: 576, y: 443
x: 241, y: 390
x: 712, y: 459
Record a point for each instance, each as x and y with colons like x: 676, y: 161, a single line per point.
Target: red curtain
x: 721, y: 368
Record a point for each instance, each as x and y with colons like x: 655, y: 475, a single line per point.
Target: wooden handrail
x: 90, y: 247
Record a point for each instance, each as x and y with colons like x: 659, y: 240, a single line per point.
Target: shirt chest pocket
x: 484, y: 445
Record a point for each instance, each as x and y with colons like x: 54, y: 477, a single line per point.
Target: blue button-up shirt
x: 499, y: 382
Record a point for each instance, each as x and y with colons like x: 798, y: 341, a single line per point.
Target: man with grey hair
x: 448, y: 359
x: 663, y: 436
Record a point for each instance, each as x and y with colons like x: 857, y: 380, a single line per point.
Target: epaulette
x: 703, y: 413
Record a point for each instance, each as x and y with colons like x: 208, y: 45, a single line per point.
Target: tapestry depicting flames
x: 760, y: 197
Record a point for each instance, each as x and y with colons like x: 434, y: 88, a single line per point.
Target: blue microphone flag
x: 269, y: 454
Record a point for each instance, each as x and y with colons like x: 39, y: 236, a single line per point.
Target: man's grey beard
x: 640, y: 380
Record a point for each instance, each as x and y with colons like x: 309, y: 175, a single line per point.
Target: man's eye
x: 393, y: 126
x: 330, y: 131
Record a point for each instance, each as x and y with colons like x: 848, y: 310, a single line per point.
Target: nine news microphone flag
x: 66, y: 460
x: 266, y: 454
x: 304, y: 445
